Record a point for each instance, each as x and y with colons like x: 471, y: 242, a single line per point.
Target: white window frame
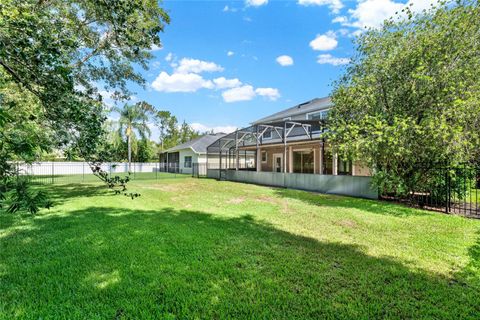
x: 270, y: 131
x: 266, y: 156
x: 322, y: 118
x: 274, y: 157
x: 314, y: 157
x: 185, y: 161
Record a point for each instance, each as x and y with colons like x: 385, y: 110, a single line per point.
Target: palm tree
x: 133, y: 118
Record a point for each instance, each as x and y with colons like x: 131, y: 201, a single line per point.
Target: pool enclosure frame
x: 247, y: 142
x: 237, y: 157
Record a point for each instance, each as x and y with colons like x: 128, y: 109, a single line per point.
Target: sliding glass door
x: 303, y: 161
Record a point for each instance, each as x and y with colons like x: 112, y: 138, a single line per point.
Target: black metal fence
x: 450, y: 189
x: 80, y: 172
x: 199, y: 170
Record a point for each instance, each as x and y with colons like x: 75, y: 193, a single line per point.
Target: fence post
x: 83, y: 171
x: 447, y: 185
x: 53, y: 171
x: 156, y: 170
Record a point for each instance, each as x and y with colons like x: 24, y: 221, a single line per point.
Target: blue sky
x: 223, y: 64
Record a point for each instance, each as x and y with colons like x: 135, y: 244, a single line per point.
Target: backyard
x: 200, y: 248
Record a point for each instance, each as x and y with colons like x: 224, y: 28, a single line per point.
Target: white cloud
x: 180, y: 82
x: 284, y: 60
x: 155, y: 64
x: 324, y: 42
x: 188, y: 65
x: 340, y: 19
x: 334, y: 5
x: 372, y: 13
x: 230, y: 53
x: 229, y: 9
x: 169, y: 57
x: 204, y: 128
x: 329, y: 59
x: 223, y: 83
x: 270, y: 93
x: 243, y: 93
x: 155, y: 48
x: 256, y: 3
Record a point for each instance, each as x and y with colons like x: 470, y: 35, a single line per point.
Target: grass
x: 198, y: 248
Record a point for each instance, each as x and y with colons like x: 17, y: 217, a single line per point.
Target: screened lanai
x: 240, y: 150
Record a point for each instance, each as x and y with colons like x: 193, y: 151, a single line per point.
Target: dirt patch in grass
x: 177, y: 187
x: 236, y: 200
x: 266, y: 199
x: 346, y: 223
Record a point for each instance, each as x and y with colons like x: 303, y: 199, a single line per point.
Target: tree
x: 133, y: 118
x: 162, y: 121
x: 410, y: 98
x: 171, y: 134
x: 187, y: 133
x: 58, y: 54
x: 145, y: 150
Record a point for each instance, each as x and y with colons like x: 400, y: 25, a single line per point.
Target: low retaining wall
x: 355, y: 186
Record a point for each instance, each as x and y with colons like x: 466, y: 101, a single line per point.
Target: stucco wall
x: 342, y: 185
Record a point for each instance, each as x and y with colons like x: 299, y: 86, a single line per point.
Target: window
x: 188, y: 162
x: 344, y: 167
x: 264, y: 156
x: 267, y: 134
x: 317, y: 115
x: 303, y: 161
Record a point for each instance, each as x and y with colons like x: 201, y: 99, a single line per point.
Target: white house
x: 182, y: 157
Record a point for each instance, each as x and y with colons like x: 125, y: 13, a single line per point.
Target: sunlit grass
x: 197, y: 248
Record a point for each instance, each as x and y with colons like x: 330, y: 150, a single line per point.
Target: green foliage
x: 21, y: 196
x: 54, y: 57
x: 410, y: 99
x: 145, y: 151
x: 171, y: 134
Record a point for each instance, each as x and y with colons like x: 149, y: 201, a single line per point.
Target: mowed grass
x: 203, y: 249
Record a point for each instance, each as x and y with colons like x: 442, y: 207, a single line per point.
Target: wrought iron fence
x: 451, y: 189
x: 80, y: 172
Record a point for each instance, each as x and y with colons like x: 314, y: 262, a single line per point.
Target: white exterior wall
x: 185, y: 153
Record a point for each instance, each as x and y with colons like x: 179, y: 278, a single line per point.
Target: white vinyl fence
x: 50, y: 172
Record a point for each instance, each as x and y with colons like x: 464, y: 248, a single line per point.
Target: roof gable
x: 197, y: 145
x: 302, y: 108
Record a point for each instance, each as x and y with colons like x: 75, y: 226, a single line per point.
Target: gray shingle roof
x: 309, y: 106
x: 198, y: 145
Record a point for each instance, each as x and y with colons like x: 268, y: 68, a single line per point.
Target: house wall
x: 185, y: 153
x: 358, y: 168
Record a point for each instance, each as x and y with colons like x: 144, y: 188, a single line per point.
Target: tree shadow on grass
x: 107, y: 263
x: 334, y: 201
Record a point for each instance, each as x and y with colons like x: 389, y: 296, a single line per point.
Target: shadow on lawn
x: 334, y: 201
x: 107, y: 263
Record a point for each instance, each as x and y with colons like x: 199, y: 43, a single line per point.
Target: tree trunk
x: 129, y: 152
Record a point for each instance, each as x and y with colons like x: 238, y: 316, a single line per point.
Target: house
x: 183, y: 157
x: 288, y: 149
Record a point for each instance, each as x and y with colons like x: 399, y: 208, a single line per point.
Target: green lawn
x: 197, y: 248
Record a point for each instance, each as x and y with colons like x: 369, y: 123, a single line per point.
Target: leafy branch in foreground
x: 56, y: 60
